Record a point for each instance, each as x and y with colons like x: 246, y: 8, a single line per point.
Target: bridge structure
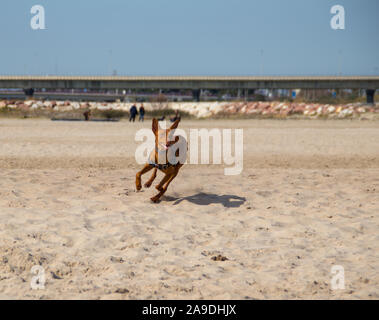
x: 194, y: 83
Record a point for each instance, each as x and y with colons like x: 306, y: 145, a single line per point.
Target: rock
x: 345, y: 113
x: 277, y: 107
x: 55, y: 276
x: 47, y: 104
x: 219, y: 258
x: 254, y: 111
x: 299, y: 109
x: 29, y: 102
x: 75, y: 105
x: 215, y: 109
x: 204, y: 114
x: 122, y: 291
x: 40, y: 104
x: 23, y: 107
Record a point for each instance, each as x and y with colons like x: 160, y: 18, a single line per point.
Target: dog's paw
x: 147, y: 185
x: 155, y: 199
x: 138, y: 187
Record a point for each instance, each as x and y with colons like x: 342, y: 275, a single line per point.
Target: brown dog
x: 162, y: 144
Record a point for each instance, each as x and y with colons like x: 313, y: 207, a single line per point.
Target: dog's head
x: 163, y: 136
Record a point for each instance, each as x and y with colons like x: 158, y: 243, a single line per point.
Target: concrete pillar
x: 246, y: 94
x: 196, y: 94
x: 29, y: 92
x: 370, y: 94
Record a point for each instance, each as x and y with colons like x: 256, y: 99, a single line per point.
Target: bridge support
x: 29, y: 92
x: 370, y: 94
x: 196, y: 94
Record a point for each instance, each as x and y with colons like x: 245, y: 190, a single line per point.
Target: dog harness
x: 160, y: 166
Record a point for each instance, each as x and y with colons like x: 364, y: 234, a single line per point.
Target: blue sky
x: 197, y: 37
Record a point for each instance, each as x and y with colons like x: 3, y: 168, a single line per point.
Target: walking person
x: 87, y: 115
x: 133, y: 113
x: 141, y: 113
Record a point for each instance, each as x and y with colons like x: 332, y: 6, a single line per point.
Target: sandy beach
x: 307, y: 200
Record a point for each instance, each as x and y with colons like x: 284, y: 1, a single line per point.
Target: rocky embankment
x: 207, y: 109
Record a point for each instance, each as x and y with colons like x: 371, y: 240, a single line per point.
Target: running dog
x: 162, y: 145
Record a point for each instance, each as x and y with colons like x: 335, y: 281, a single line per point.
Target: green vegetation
x: 17, y: 113
x: 166, y: 113
x: 109, y: 114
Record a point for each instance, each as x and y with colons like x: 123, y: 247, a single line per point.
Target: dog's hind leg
x: 153, y: 176
x: 145, y: 169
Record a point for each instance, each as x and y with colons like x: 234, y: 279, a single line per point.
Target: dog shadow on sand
x: 204, y: 199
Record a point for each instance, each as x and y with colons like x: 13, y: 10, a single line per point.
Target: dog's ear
x: 175, y: 124
x: 155, y: 126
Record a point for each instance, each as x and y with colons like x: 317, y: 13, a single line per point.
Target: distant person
x: 176, y: 116
x: 141, y: 113
x: 133, y: 113
x: 87, y: 115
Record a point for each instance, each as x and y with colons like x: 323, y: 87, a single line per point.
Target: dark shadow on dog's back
x: 204, y: 199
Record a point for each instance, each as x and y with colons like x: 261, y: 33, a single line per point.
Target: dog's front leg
x: 166, y: 183
x: 151, y: 180
x: 145, y: 169
x: 170, y: 180
x: 160, y: 187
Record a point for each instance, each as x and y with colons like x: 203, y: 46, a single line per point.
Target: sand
x: 308, y: 199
